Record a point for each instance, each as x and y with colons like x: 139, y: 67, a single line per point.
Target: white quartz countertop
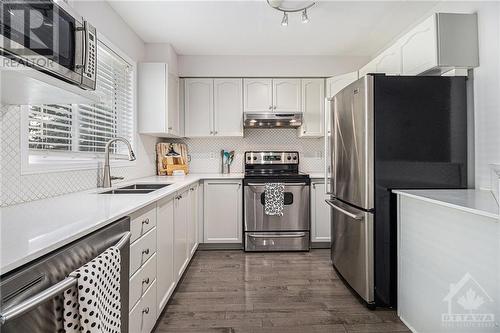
x: 474, y: 201
x: 31, y: 230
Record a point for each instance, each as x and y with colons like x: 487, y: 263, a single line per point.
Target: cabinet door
x: 192, y: 213
x: 419, y: 48
x: 337, y: 83
x: 258, y: 95
x: 223, y: 213
x: 152, y: 98
x: 286, y: 95
x: 198, y: 105
x: 228, y: 107
x: 165, y: 251
x: 173, y: 105
x: 180, y: 234
x: 320, y: 214
x: 313, y: 107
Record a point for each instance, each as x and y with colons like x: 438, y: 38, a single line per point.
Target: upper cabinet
x: 441, y: 43
x: 258, y: 95
x: 286, y: 95
x: 213, y: 107
x: 337, y: 83
x: 278, y: 95
x: 198, y: 107
x: 313, y: 107
x: 159, y: 111
x: 228, y: 107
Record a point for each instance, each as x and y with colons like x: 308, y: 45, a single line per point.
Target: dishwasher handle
x: 34, y: 301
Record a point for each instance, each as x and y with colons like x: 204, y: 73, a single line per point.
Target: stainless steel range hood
x: 272, y: 120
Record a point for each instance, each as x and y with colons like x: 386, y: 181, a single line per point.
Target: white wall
x: 259, y: 66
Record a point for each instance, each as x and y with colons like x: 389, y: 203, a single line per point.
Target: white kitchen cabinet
x: 223, y: 211
x: 337, y: 83
x: 158, y: 94
x: 387, y: 62
x: 286, y: 95
x: 320, y: 213
x: 198, y: 107
x: 192, y: 218
x: 313, y: 108
x: 181, y: 257
x: 440, y: 43
x: 142, y: 317
x: 228, y: 107
x: 165, y: 250
x: 258, y: 95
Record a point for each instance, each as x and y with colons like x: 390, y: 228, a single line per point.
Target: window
x: 79, y: 132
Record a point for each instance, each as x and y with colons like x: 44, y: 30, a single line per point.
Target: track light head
x: 305, y: 18
x: 284, y: 21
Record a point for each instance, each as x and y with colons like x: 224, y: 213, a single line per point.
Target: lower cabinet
x: 192, y: 218
x: 181, y: 256
x: 222, y: 211
x: 142, y: 318
x: 165, y: 249
x: 320, y: 213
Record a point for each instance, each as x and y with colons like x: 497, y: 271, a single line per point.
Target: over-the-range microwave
x: 49, y: 36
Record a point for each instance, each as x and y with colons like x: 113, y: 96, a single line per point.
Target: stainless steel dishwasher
x: 31, y: 296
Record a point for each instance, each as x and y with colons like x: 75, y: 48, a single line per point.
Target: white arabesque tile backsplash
x: 205, y: 152
x: 16, y: 187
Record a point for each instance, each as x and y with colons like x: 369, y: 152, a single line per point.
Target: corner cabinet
x: 276, y: 95
x: 222, y: 211
x: 313, y: 108
x: 213, y: 107
x: 158, y: 93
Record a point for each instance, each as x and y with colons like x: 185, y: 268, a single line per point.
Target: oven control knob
x: 249, y: 158
x: 255, y: 158
x: 295, y: 158
x: 289, y: 158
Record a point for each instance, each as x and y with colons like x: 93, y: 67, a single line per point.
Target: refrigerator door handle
x: 328, y: 147
x: 358, y: 216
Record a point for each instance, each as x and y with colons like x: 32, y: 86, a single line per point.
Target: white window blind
x: 85, y: 128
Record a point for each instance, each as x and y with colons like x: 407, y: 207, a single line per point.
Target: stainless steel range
x: 290, y: 232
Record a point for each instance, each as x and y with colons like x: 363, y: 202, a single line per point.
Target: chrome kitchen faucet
x: 106, y: 179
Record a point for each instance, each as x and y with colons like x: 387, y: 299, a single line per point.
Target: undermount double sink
x: 136, y: 189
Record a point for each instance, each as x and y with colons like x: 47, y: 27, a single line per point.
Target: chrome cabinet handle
x: 145, y: 281
x: 170, y: 128
x: 146, y: 221
x: 146, y: 310
x: 301, y: 234
x: 216, y: 132
x: 286, y: 184
x: 211, y: 132
x: 42, y: 297
x: 146, y: 251
x: 342, y: 210
x: 270, y: 107
x: 274, y: 107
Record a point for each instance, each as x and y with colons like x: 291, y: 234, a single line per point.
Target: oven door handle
x: 34, y: 301
x: 300, y: 234
x: 286, y: 184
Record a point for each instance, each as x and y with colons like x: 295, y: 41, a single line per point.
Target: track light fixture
x: 276, y: 4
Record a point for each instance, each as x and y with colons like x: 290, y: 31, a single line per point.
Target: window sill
x: 40, y: 166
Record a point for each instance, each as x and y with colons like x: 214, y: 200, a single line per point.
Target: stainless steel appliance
x: 31, y: 297
x: 272, y: 120
x: 388, y: 132
x: 49, y: 36
x: 290, y: 232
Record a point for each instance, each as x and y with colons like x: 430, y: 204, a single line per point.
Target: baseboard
x: 320, y: 245
x: 219, y: 246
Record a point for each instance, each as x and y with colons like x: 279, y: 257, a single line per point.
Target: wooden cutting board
x: 170, y: 157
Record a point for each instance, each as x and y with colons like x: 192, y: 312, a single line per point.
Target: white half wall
x: 262, y: 66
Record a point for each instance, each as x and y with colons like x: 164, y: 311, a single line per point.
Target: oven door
x: 295, y: 217
x: 45, y: 35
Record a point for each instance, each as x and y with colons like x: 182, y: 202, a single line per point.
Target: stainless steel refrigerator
x: 385, y: 133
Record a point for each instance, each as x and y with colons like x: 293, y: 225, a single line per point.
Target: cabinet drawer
x: 142, y: 318
x: 141, y: 281
x: 142, y: 221
x: 141, y: 250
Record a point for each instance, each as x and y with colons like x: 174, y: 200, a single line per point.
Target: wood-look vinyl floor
x: 234, y: 291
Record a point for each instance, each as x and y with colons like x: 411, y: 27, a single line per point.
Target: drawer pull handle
x: 146, y: 281
x: 146, y: 310
x: 146, y: 221
x: 146, y: 251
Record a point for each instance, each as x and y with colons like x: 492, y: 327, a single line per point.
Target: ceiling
x: 252, y: 27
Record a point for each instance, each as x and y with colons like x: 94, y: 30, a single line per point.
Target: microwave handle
x: 80, y: 46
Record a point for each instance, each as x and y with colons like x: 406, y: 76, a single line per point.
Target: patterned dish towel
x: 93, y: 305
x: 274, y: 199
